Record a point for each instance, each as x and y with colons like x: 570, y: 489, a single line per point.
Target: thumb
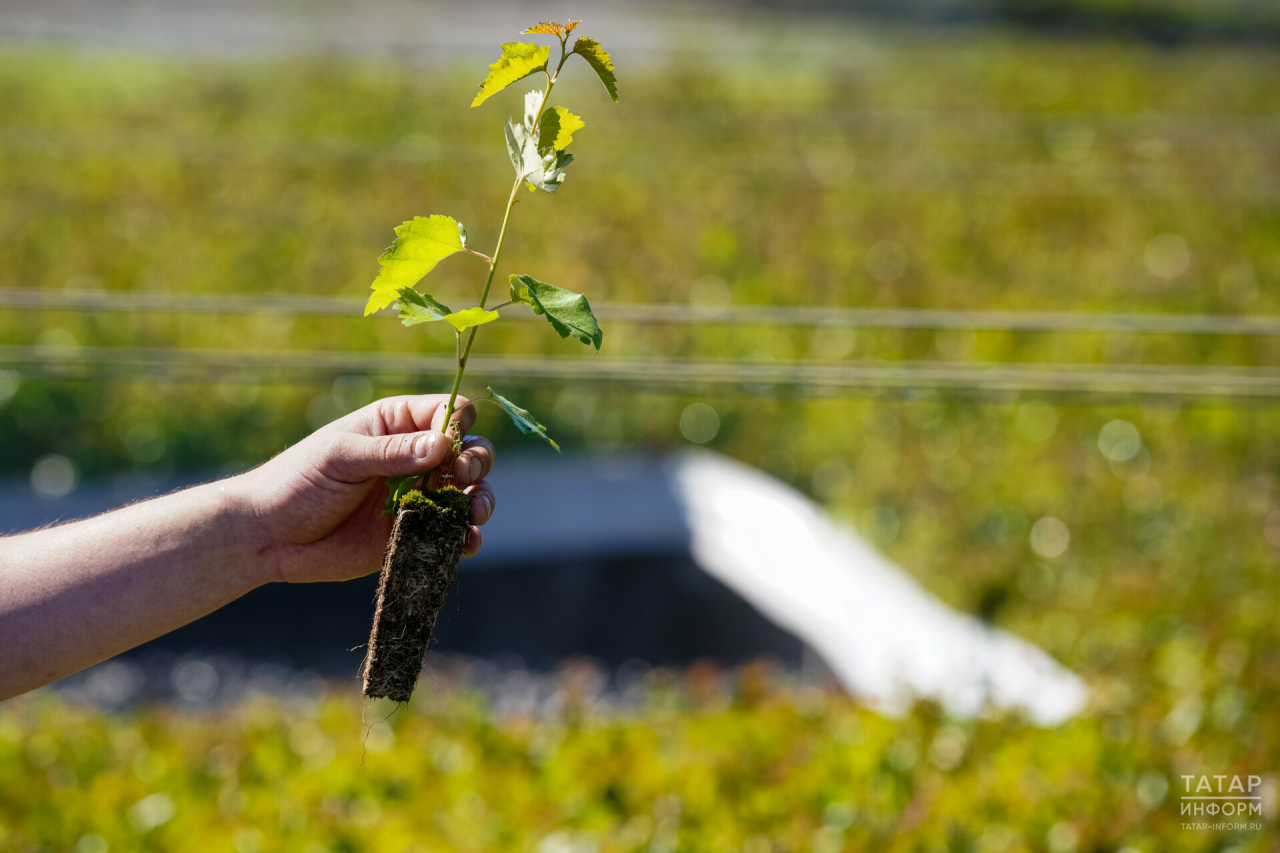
x: 352, y: 458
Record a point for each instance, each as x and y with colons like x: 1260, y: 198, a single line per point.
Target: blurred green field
x: 977, y: 169
x: 758, y: 767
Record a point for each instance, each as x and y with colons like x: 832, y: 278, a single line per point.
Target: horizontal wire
x: 747, y: 315
x: 911, y: 175
x: 993, y: 379
x: 1175, y: 129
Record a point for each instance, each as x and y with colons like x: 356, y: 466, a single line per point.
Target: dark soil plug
x: 417, y: 572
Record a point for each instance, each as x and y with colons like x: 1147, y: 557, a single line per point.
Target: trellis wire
x: 791, y: 315
x: 766, y: 378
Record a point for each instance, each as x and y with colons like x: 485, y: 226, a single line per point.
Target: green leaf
x: 397, y: 488
x: 595, y: 55
x: 518, y: 61
x: 463, y: 320
x: 420, y: 244
x: 418, y: 307
x: 569, y: 312
x: 557, y: 129
x: 523, y: 420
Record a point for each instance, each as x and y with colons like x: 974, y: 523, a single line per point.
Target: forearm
x: 77, y: 594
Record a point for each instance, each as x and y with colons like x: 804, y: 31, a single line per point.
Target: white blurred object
x: 881, y: 633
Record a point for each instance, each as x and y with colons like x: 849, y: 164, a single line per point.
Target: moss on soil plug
x: 417, y: 570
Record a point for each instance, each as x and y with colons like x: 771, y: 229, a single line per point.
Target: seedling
x: 432, y: 518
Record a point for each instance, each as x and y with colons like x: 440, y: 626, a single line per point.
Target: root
x: 417, y: 571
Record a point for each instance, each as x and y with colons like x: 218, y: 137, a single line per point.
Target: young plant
x: 432, y: 523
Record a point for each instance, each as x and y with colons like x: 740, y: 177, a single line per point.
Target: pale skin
x: 74, y: 595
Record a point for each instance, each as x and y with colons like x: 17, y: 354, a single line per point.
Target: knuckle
x: 390, y: 449
x: 336, y: 457
x: 402, y: 412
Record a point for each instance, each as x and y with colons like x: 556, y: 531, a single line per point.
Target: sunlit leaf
x: 518, y: 61
x: 463, y: 320
x: 540, y: 171
x: 420, y: 244
x: 515, y: 146
x: 520, y: 290
x: 524, y: 421
x: 571, y: 26
x: 418, y: 307
x: 548, y: 28
x: 552, y: 174
x: 532, y: 103
x: 595, y: 55
x: 568, y: 312
x: 557, y: 129
x: 523, y: 150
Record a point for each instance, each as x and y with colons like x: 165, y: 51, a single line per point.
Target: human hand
x: 320, y: 502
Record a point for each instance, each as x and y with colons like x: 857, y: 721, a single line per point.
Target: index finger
x: 413, y: 413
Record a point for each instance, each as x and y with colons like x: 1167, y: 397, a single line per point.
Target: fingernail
x: 476, y: 469
x: 424, y: 444
x: 488, y: 502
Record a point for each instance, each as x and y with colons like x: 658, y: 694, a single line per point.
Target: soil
x: 417, y: 571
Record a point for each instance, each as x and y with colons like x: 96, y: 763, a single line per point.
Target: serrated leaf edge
x: 532, y: 423
x: 498, y: 66
x: 600, y: 61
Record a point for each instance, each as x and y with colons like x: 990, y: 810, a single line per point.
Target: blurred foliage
x: 912, y: 169
x: 700, y: 763
x: 922, y: 170
x: 1158, y: 21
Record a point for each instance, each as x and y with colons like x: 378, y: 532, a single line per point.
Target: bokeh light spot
x: 195, y: 681
x: 1271, y: 528
x: 1050, y: 537
x: 1119, y: 441
x: 699, y: 423
x: 54, y: 476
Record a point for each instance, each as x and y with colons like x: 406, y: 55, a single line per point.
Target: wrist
x: 255, y: 547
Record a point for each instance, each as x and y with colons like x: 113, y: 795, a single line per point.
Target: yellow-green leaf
x: 463, y: 320
x: 595, y: 55
x: 517, y: 62
x: 420, y: 244
x: 520, y: 290
x: 557, y: 129
x: 548, y: 28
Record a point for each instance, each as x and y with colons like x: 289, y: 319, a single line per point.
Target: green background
x: 1014, y: 170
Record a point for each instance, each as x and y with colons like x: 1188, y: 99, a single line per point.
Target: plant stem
x: 471, y: 336
x: 493, y: 262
